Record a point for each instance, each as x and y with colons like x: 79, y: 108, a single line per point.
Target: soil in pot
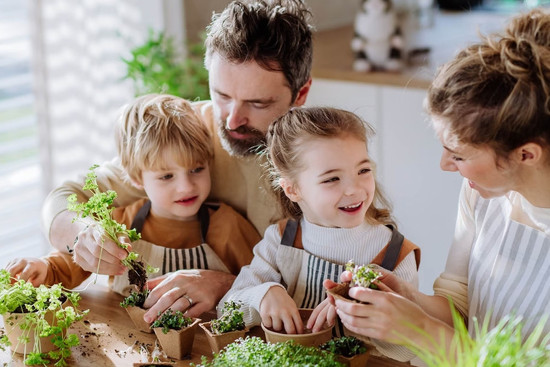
x: 219, y: 341
x: 177, y: 343
x: 307, y: 338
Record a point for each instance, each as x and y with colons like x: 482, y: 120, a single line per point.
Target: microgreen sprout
x: 363, y: 275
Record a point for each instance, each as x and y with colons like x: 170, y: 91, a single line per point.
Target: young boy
x: 166, y: 150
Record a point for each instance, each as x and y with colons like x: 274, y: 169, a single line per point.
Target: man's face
x: 247, y: 98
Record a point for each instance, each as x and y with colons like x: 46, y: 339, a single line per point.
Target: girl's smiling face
x: 336, y: 185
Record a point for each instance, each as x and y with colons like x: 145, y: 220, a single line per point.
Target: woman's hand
x: 278, y: 311
x: 190, y: 291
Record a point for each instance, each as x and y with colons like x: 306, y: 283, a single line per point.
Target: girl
x: 323, y: 177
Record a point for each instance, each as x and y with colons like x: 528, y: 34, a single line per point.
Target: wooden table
x: 109, y: 338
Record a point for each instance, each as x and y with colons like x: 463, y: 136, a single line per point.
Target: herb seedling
x: 171, y: 320
x: 36, y: 303
x: 230, y: 320
x: 347, y: 346
x: 135, y: 299
x: 253, y: 351
x: 99, y: 208
x: 363, y: 275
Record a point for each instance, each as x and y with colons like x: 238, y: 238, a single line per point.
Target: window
x: 20, y: 174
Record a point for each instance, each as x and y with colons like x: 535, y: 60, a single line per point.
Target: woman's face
x: 478, y: 164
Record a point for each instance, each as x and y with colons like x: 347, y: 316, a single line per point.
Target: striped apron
x: 168, y: 259
x: 509, y: 268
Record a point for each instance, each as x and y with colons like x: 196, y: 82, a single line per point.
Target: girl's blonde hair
x: 497, y: 92
x: 155, y: 125
x: 286, y: 137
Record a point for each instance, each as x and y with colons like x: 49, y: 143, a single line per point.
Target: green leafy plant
x: 37, y: 304
x: 99, y: 208
x: 230, y: 320
x: 347, y: 346
x: 157, y: 67
x: 171, y: 320
x: 253, y: 352
x: 502, y: 346
x: 135, y: 299
x: 363, y: 275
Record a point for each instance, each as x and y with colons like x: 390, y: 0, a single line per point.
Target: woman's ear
x: 289, y: 189
x: 530, y: 153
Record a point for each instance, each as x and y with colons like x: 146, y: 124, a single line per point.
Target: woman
x: 490, y: 107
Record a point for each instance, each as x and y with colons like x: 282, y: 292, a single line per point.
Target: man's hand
x: 192, y: 291
x: 92, y: 247
x: 33, y: 270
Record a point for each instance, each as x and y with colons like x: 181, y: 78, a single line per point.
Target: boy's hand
x: 278, y: 312
x: 33, y: 270
x: 325, y: 312
x: 91, y: 248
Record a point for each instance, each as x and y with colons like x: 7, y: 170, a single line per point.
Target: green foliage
x: 171, y: 320
x: 156, y: 67
x: 135, y: 299
x: 35, y: 302
x: 230, y: 320
x: 363, y: 275
x: 253, y: 352
x: 347, y: 346
x: 99, y: 208
x: 501, y: 346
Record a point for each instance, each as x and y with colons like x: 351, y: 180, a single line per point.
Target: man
x: 259, y: 56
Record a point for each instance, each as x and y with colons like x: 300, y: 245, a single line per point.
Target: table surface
x: 108, y: 337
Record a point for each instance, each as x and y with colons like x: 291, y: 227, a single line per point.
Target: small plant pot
x: 340, y: 292
x: 136, y: 314
x: 177, y: 343
x: 358, y: 360
x: 12, y: 320
x: 308, y: 338
x: 219, y: 341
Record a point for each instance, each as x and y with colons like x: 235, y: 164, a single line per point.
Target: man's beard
x: 242, y: 147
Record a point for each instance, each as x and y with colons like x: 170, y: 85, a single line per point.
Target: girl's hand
x: 33, y: 270
x: 325, y: 312
x: 278, y: 311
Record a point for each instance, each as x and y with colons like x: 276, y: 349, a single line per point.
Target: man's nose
x: 236, y: 117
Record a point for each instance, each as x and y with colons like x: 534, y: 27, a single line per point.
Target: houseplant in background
x: 156, y: 66
x: 225, y: 329
x: 175, y: 333
x: 36, y: 320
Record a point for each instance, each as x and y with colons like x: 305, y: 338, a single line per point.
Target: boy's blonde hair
x: 287, y: 135
x: 155, y: 125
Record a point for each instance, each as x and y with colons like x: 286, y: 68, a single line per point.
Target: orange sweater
x: 230, y: 236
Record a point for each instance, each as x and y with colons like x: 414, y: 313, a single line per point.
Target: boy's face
x: 337, y: 185
x: 247, y: 98
x: 177, y: 192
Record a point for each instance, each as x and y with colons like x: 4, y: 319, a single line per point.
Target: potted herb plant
x: 362, y: 276
x: 348, y: 350
x: 36, y: 320
x: 307, y: 338
x: 134, y: 307
x: 225, y: 329
x: 503, y: 345
x: 253, y: 352
x: 175, y: 332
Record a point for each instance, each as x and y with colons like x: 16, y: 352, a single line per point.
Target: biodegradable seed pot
x: 307, y: 338
x: 175, y: 333
x: 219, y: 341
x: 349, y: 350
x: 136, y: 314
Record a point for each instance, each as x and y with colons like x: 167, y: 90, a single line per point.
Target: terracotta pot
x: 219, y: 341
x: 177, y: 343
x: 308, y: 338
x: 12, y: 321
x: 136, y: 314
x: 358, y: 360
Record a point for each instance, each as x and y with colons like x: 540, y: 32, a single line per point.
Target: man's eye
x: 260, y: 106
